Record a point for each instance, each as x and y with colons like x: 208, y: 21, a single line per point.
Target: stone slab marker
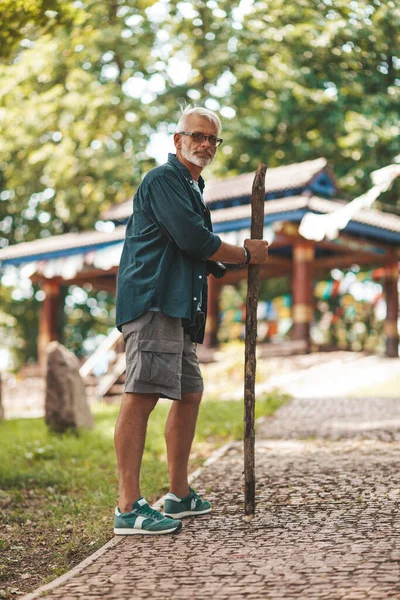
x: 66, y: 405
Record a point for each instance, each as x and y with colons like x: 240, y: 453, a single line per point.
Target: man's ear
x: 177, y: 140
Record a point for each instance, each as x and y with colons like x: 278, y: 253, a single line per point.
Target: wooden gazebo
x: 371, y: 239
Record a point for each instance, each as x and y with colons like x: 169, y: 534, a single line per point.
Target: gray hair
x: 189, y: 110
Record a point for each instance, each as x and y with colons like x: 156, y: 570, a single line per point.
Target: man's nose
x: 207, y: 141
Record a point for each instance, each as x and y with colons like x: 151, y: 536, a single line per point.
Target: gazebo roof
x: 280, y: 180
x: 368, y: 224
x: 56, y: 246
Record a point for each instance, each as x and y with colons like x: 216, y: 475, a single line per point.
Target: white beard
x: 196, y: 160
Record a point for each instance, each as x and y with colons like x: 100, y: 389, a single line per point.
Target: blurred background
x: 89, y: 98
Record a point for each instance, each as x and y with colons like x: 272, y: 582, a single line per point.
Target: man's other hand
x: 258, y: 250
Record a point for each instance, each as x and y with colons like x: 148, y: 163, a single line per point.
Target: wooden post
x: 253, y: 286
x: 392, y: 307
x: 302, y: 290
x: 48, y: 320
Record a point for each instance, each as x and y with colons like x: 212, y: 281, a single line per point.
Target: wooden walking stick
x: 253, y: 287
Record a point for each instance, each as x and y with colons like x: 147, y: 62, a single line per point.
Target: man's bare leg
x: 179, y: 433
x: 129, y: 439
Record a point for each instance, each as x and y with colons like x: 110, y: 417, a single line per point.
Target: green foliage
x: 25, y: 19
x: 19, y: 325
x: 318, y: 78
x: 87, y: 313
x: 82, y: 134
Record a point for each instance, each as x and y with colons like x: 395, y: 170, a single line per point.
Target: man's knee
x: 143, y: 403
x: 192, y: 397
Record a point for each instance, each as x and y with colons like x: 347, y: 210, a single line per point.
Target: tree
x: 23, y: 20
x: 295, y: 81
x: 318, y: 78
x: 72, y: 130
x: 73, y: 134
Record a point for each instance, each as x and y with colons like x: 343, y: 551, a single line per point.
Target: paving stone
x: 326, y: 525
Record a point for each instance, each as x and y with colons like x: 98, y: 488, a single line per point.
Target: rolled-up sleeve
x: 174, y: 214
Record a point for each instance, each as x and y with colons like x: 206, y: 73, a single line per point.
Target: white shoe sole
x: 130, y: 531
x: 187, y: 513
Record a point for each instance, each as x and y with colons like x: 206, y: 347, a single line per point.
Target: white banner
x: 317, y: 227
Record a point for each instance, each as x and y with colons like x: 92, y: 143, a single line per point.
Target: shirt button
x: 195, y: 298
x: 200, y: 276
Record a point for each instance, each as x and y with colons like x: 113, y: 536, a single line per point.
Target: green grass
x: 57, y: 492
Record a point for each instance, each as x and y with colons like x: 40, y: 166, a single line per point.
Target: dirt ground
x: 320, y: 374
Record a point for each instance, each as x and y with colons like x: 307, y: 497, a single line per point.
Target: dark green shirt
x: 168, y: 240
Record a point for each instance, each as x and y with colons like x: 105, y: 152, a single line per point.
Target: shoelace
x: 194, y: 495
x: 151, y: 512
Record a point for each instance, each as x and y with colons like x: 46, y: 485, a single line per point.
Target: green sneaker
x: 189, y: 506
x: 143, y: 520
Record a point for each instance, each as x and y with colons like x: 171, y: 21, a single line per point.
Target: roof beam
x: 338, y: 262
x: 267, y: 270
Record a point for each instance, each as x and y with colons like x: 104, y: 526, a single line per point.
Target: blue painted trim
x: 58, y: 254
x: 359, y: 229
x: 240, y: 200
x: 294, y: 215
x: 323, y: 185
x: 370, y: 231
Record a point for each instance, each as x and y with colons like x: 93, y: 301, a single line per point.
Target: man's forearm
x: 229, y: 253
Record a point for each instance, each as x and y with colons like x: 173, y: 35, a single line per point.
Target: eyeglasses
x: 199, y: 138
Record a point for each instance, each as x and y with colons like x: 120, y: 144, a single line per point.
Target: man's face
x: 200, y: 154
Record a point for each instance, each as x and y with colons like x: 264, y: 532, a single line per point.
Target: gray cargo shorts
x: 160, y: 358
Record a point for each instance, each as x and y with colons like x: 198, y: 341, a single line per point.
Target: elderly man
x: 161, y: 309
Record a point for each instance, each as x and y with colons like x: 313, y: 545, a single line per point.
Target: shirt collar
x: 172, y: 159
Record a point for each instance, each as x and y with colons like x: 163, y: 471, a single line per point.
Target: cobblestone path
x: 327, y: 522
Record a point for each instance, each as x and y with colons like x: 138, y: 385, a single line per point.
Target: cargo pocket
x: 159, y: 362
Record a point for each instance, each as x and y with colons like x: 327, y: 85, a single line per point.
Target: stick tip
x: 248, y: 518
